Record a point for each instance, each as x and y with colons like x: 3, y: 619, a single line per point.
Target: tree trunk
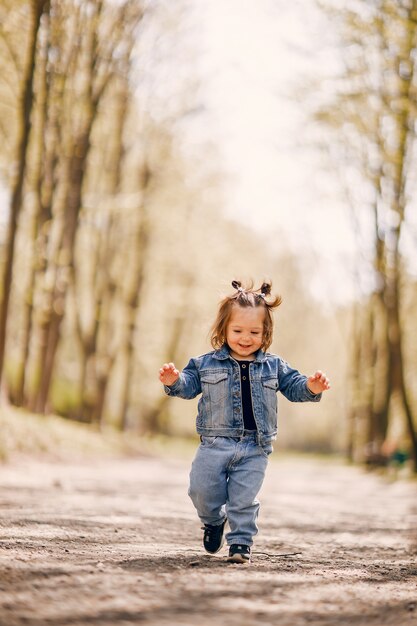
x: 40, y: 215
x: 52, y: 343
x: 37, y: 8
x: 132, y: 309
x: 396, y: 360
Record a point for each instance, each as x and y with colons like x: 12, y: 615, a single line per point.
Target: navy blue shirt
x: 247, y: 406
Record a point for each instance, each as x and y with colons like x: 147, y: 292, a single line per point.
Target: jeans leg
x: 245, y: 480
x: 208, y: 479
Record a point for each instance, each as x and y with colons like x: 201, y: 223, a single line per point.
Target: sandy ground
x: 118, y: 542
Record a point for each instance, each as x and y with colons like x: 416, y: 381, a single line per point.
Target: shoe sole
x: 238, y: 558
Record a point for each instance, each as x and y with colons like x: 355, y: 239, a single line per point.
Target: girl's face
x: 244, y: 333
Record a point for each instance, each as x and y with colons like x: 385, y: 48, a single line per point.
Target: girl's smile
x: 244, y: 334
x: 234, y: 423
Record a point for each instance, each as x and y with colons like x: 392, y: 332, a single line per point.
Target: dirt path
x: 118, y: 543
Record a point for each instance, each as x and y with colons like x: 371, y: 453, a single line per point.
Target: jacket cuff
x: 314, y: 397
x: 172, y: 389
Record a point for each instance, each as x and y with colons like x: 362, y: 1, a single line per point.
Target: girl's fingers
x: 167, y: 367
x: 325, y: 381
x: 167, y: 373
x: 321, y: 377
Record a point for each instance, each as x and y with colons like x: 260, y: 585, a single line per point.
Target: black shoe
x: 213, y: 537
x: 239, y: 553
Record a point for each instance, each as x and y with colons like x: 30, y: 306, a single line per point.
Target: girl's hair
x: 245, y: 297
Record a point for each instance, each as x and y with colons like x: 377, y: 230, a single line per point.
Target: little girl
x: 237, y: 415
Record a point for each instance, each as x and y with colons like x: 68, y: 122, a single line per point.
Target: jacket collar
x: 224, y: 353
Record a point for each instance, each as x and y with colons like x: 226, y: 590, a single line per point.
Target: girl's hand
x: 318, y: 382
x: 168, y: 374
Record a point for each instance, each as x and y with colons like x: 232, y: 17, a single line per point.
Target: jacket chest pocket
x: 214, y: 386
x: 270, y: 388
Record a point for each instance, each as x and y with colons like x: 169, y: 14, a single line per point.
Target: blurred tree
x: 374, y: 114
x: 112, y: 299
x: 25, y: 101
x: 98, y: 54
x: 37, y: 173
x: 132, y: 296
x: 122, y: 246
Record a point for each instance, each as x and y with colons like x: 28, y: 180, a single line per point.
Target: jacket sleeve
x: 188, y: 384
x: 293, y: 385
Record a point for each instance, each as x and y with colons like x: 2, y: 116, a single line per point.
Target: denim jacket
x: 216, y: 376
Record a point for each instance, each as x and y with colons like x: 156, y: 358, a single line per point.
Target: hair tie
x: 238, y: 286
x: 265, y: 290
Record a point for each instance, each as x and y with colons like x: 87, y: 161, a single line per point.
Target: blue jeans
x: 226, y: 476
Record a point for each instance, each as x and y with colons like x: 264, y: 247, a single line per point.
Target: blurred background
x: 153, y: 151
